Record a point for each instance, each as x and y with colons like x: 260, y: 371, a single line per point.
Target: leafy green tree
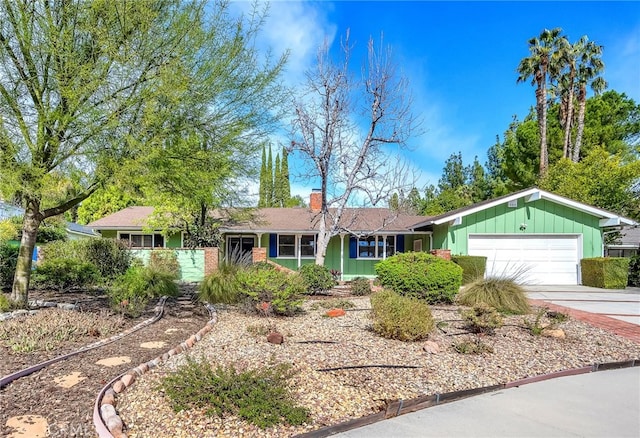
x: 600, y: 179
x: 167, y: 96
x: 478, y: 183
x: 537, y: 67
x: 454, y: 174
x: 105, y: 201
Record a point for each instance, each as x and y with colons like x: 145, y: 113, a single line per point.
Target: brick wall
x: 442, y: 253
x: 259, y: 255
x: 211, y: 260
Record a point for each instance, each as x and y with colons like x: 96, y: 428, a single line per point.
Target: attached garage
x: 537, y: 259
x: 545, y: 234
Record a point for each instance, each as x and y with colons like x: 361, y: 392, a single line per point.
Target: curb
x: 400, y: 407
x: 106, y: 420
x: 159, y: 310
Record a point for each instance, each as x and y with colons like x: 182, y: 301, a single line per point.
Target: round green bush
x: 65, y: 274
x: 401, y: 318
x: 421, y: 275
x: 317, y: 278
x: 221, y: 286
x: 473, y: 267
x: 271, y: 291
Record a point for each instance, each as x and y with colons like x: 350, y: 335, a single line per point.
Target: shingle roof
x: 132, y: 218
x: 355, y: 220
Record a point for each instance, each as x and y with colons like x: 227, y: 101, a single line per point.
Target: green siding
x: 191, y: 262
x: 174, y: 241
x: 109, y: 234
x: 541, y: 217
x: 352, y: 267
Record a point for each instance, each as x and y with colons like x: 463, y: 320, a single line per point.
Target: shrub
x: 132, y: 291
x: 166, y: 261
x: 5, y: 305
x: 111, y: 256
x: 503, y: 294
x: 605, y: 272
x: 317, y: 278
x: 471, y: 346
x: 335, y: 303
x: 281, y: 292
x: 482, y: 318
x: 360, y: 286
x: 65, y: 274
x: 221, y: 286
x: 401, y: 318
x: 259, y: 396
x: 634, y: 271
x: 8, y: 261
x: 473, y: 267
x: 421, y: 275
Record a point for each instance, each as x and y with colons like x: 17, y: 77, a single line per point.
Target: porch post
x: 384, y: 247
x: 259, y: 239
x: 297, y: 248
x: 342, y: 256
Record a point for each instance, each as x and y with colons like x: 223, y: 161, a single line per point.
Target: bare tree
x: 345, y: 125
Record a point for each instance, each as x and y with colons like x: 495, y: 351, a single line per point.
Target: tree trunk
x: 566, y: 148
x: 582, y: 104
x: 322, y: 241
x: 30, y: 224
x: 541, y: 94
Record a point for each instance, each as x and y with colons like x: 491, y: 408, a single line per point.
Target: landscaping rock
x: 431, y: 347
x: 275, y: 338
x: 333, y: 313
x: 554, y: 333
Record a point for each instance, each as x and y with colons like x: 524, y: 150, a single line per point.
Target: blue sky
x: 460, y: 59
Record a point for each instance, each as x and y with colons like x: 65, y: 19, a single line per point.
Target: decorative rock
x: 165, y: 356
x: 554, y: 333
x: 144, y: 367
x: 66, y: 306
x: 189, y: 343
x: 431, y: 347
x: 198, y: 337
x: 114, y: 424
x: 109, y: 398
x: 333, y: 313
x: 128, y: 379
x: 275, y: 338
x: 118, y: 387
x: 107, y: 411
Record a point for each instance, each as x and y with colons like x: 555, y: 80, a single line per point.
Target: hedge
x: 605, y: 272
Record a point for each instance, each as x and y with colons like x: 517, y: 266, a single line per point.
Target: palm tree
x: 589, y: 68
x: 536, y: 67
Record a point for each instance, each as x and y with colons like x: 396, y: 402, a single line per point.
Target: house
x: 540, y: 233
x: 626, y: 243
x: 532, y: 230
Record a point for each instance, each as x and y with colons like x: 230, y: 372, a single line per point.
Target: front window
x: 286, y: 246
x: 139, y: 240
x: 308, y: 246
x: 290, y: 245
x: 373, y: 247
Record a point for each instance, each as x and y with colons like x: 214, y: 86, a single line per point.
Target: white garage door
x: 546, y: 259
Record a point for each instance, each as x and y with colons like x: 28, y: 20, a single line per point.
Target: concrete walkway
x: 600, y: 404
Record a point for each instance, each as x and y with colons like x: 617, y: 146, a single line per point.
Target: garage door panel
x: 540, y: 259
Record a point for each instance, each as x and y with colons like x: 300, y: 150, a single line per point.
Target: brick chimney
x: 315, y: 200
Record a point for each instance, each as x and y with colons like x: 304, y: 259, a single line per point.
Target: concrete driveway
x: 619, y: 304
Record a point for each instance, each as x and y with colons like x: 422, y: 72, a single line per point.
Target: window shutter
x: 273, y: 245
x: 353, y: 247
x: 400, y: 243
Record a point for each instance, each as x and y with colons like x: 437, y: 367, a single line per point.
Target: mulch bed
x: 69, y: 411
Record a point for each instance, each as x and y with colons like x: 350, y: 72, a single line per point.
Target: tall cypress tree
x: 268, y: 183
x: 262, y: 194
x: 277, y: 185
x: 284, y: 176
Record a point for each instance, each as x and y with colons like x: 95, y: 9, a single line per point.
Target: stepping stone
x: 153, y: 344
x: 171, y: 330
x: 69, y: 380
x: 114, y: 361
x: 28, y: 426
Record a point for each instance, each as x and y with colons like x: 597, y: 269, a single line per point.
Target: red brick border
x: 621, y: 328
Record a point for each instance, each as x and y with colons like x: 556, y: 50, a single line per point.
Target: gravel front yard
x: 314, y: 342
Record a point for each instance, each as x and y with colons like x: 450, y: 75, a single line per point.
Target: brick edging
x: 106, y: 420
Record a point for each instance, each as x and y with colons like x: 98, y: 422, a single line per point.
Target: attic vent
x: 513, y: 204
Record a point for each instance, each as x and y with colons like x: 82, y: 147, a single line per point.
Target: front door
x: 239, y: 248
